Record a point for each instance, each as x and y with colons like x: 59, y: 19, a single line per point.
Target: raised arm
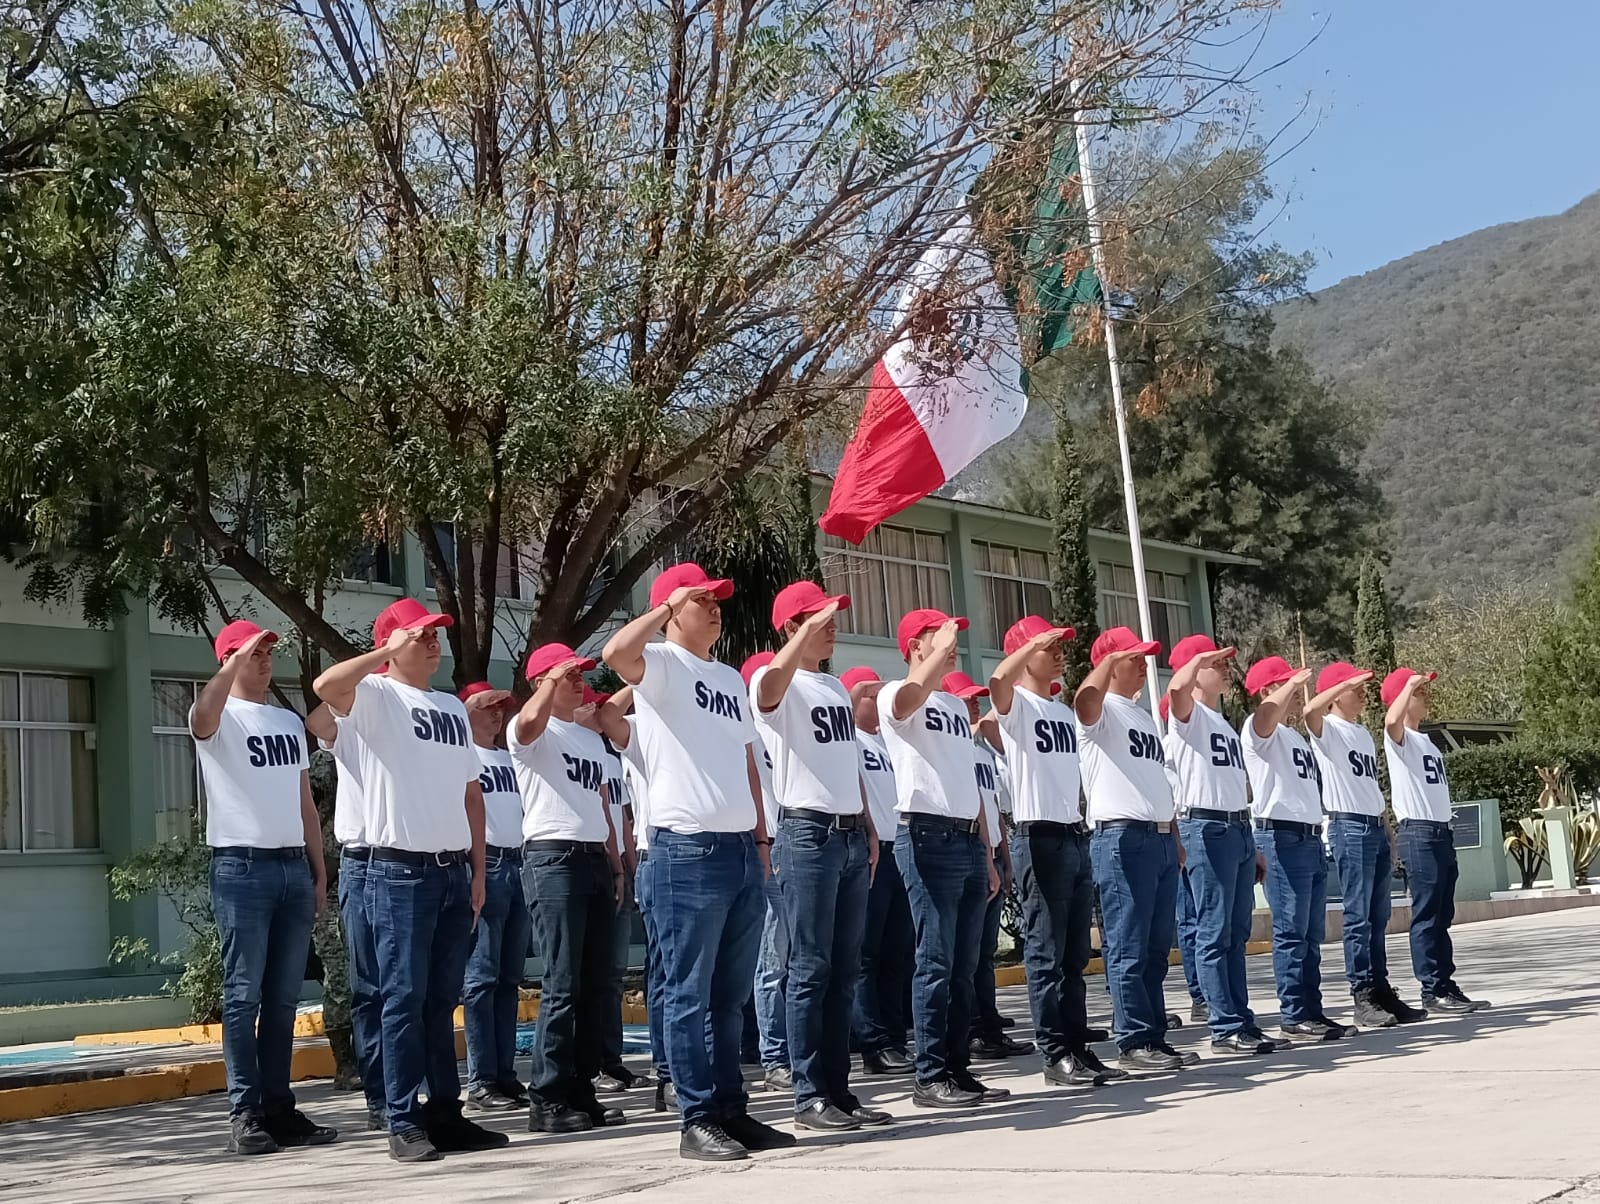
x: 1180, y: 690
x: 924, y: 678
x: 1394, y: 720
x: 624, y: 652
x: 534, y: 716
x: 1090, y: 698
x: 322, y: 725
x: 1003, y: 681
x: 1317, y: 709
x: 337, y: 684
x: 612, y: 715
x: 780, y: 672
x: 1270, y: 713
x: 207, y: 712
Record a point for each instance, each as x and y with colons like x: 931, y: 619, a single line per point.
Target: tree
x: 550, y: 278
x: 1374, y: 635
x: 1072, y: 587
x: 1561, y: 685
x: 1481, y: 645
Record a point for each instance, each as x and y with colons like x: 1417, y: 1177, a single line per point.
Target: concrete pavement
x: 1499, y: 1106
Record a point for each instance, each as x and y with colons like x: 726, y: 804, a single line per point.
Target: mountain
x: 1480, y: 361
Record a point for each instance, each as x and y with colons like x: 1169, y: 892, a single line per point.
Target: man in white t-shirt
x: 1221, y: 862
x: 572, y: 880
x: 825, y: 851
x: 766, y: 1023
x: 1358, y: 837
x: 879, y: 1021
x: 1287, y: 810
x: 1049, y: 847
x: 943, y: 854
x: 267, y: 883
x: 1134, y: 849
x: 709, y: 851
x: 412, y: 748
x: 500, y: 938
x: 1420, y: 789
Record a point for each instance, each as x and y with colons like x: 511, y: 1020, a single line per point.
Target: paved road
x: 1499, y: 1106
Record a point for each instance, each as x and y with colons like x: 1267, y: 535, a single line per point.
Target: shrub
x: 1508, y: 772
x: 178, y: 872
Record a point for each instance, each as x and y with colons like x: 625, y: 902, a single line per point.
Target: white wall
x: 54, y: 917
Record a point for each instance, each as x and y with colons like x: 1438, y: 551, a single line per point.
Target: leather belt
x: 564, y: 846
x: 1433, y: 825
x: 502, y: 852
x: 1148, y: 825
x: 356, y: 852
x: 1355, y: 817
x: 410, y: 857
x: 1227, y: 817
x: 1050, y: 827
x: 942, y: 823
x: 251, y: 853
x: 1288, y: 825
x: 826, y: 819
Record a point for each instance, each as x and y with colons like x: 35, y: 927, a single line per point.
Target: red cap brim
x: 1148, y: 648
x: 721, y: 589
x: 973, y: 692
x: 428, y: 621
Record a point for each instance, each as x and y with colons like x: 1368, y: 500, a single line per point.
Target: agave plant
x: 1585, y: 843
x: 1528, y: 847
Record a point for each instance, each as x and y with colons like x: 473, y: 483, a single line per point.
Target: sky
x: 1426, y: 120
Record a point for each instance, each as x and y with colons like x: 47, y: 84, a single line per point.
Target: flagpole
x: 1091, y: 209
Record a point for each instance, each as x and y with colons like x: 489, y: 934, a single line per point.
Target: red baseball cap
x: 680, y: 575
x: 860, y: 675
x: 547, y: 656
x: 962, y: 686
x: 1337, y: 673
x: 801, y: 599
x: 406, y: 613
x: 917, y: 621
x: 236, y: 635
x: 473, y: 689
x: 1189, y: 647
x: 593, y: 697
x: 1396, y: 681
x: 1029, y: 626
x: 1268, y: 672
x: 1121, y: 639
x: 759, y: 661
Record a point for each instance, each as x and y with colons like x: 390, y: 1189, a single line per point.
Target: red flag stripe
x: 888, y: 465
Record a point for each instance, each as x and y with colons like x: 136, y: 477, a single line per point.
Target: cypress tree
x: 1073, y: 588
x: 1374, y: 635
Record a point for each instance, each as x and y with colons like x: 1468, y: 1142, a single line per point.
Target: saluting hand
x: 401, y: 636
x: 683, y: 595
x: 488, y: 699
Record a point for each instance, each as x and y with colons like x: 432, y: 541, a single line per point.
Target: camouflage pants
x: 328, y: 940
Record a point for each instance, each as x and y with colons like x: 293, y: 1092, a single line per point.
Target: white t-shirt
x: 502, y: 798
x: 618, y: 790
x: 414, y: 758
x: 811, y: 734
x: 1123, y: 764
x: 1348, y: 762
x: 1283, y: 775
x: 987, y: 770
x: 1168, y: 747
x: 933, y: 755
x: 252, y: 765
x: 633, y: 775
x: 694, y: 726
x: 349, y: 807
x: 1207, y: 762
x: 560, y: 775
x: 1041, y: 743
x: 1417, y: 779
x: 878, y: 774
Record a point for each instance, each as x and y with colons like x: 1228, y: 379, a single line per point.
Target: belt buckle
x: 439, y: 860
x: 1164, y: 827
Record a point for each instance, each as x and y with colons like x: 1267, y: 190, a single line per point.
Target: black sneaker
x: 490, y: 1099
x: 1199, y: 1013
x: 377, y: 1119
x: 1319, y: 1028
x: 944, y: 1094
x: 1185, y: 1058
x: 1370, y: 1013
x: 1111, y: 1074
x: 452, y: 1133
x: 616, y: 1078
x: 1456, y: 1005
x: 295, y: 1128
x: 779, y: 1078
x: 1072, y: 1072
x: 412, y: 1146
x: 822, y: 1115
x: 1386, y: 997
x: 247, y: 1135
x: 706, y: 1141
x: 1007, y: 1022
x: 1241, y: 1043
x: 1148, y: 1059
x: 886, y: 1061
x: 1460, y: 996
x: 753, y: 1135
x: 558, y: 1118
x: 967, y: 1081
x: 666, y: 1097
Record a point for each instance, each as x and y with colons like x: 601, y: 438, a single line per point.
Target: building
x: 96, y: 761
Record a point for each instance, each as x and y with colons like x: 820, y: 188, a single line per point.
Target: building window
x: 48, y: 797
x: 180, y: 793
x: 895, y: 569
x: 1169, y: 601
x: 1013, y: 582
x: 376, y: 563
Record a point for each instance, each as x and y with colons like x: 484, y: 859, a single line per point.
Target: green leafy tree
x: 1481, y: 645
x: 1374, y: 634
x: 1561, y: 685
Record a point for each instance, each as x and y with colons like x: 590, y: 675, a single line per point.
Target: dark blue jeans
x: 1187, y: 918
x: 707, y: 896
x: 1429, y: 853
x: 1362, y: 857
x: 264, y: 905
x: 366, y: 1000
x: 1220, y: 876
x: 887, y: 941
x: 611, y: 1001
x: 654, y: 995
x: 494, y: 972
x: 570, y: 892
x: 1297, y: 892
x: 985, y: 1008
x: 947, y: 886
x: 1056, y: 888
x: 772, y: 972
x: 1136, y: 870
x: 823, y: 875
x: 421, y: 919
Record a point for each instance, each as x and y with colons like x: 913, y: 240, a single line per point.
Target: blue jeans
x: 1056, y: 889
x: 1136, y: 870
x: 654, y: 995
x: 947, y: 886
x: 985, y: 1008
x: 1429, y: 853
x: 1297, y: 892
x: 823, y: 875
x: 570, y: 893
x: 366, y: 1000
x: 880, y: 1020
x: 1187, y: 918
x: 421, y: 918
x: 1362, y: 857
x: 708, y: 904
x: 611, y: 1000
x: 1220, y: 879
x: 772, y: 975
x: 264, y: 905
x: 494, y: 971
